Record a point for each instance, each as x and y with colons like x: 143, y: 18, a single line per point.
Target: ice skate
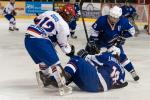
x: 61, y: 81
x: 44, y: 81
x: 73, y: 36
x: 11, y: 29
x: 65, y: 90
x: 16, y: 29
x: 134, y: 75
x: 117, y: 86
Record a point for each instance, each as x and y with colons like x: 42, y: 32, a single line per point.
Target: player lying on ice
x: 93, y: 73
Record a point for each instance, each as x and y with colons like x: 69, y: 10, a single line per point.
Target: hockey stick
x: 85, y: 29
x: 83, y: 21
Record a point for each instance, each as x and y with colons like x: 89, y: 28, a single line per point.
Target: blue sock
x: 129, y: 67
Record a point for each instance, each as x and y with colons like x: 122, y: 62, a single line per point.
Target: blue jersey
x: 132, y: 10
x: 101, y: 59
x: 128, y: 11
x: 125, y: 10
x: 72, y: 23
x: 92, y: 79
x: 107, y: 34
x: 85, y: 76
x: 77, y: 8
x: 106, y: 59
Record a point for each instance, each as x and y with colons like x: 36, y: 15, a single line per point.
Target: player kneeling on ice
x: 95, y: 73
x: 41, y: 48
x: 10, y: 13
x: 112, y: 30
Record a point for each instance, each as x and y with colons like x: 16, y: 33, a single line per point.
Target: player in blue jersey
x: 94, y: 73
x: 9, y: 13
x: 41, y: 48
x: 111, y: 30
x: 73, y: 22
x: 129, y: 12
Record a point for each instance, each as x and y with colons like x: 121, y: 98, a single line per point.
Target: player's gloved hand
x: 91, y: 48
x: 82, y: 53
x: 119, y: 85
x: 114, y: 50
x: 72, y: 51
x: 121, y: 40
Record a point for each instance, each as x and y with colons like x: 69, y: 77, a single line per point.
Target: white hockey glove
x: 114, y: 50
x: 71, y: 52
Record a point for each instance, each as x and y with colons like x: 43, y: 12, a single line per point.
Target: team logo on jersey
x: 119, y: 28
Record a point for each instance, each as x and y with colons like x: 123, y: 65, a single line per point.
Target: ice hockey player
x: 73, y: 22
x: 111, y: 30
x: 94, y: 73
x: 129, y: 12
x: 41, y: 49
x: 10, y: 13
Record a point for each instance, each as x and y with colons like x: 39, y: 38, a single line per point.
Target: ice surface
x: 17, y: 70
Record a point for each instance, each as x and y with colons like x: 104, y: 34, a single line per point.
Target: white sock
x: 44, y: 68
x: 58, y: 75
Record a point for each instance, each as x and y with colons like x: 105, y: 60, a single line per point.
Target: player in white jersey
x: 9, y: 13
x: 54, y: 24
x: 41, y: 48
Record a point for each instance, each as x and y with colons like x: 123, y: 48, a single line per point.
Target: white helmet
x: 115, y: 12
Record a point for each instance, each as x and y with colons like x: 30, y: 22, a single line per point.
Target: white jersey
x: 9, y: 8
x: 54, y: 24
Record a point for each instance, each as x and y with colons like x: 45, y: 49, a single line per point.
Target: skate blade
x: 40, y: 83
x: 65, y: 91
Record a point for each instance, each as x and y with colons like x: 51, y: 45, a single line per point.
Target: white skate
x: 65, y: 90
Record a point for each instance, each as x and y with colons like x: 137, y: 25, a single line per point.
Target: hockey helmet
x: 115, y: 12
x: 67, y: 12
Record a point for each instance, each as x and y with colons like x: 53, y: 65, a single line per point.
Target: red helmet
x: 69, y: 9
x: 67, y: 12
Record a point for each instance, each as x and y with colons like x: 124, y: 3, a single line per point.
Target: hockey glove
x: 114, y: 50
x: 120, y: 41
x: 72, y: 51
x: 91, y: 48
x: 117, y: 86
x: 82, y: 53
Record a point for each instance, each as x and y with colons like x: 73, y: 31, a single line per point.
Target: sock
x: 12, y: 22
x: 70, y: 69
x: 44, y: 68
x: 57, y: 73
x: 128, y: 65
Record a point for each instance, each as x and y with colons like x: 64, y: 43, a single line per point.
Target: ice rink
x: 17, y: 70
